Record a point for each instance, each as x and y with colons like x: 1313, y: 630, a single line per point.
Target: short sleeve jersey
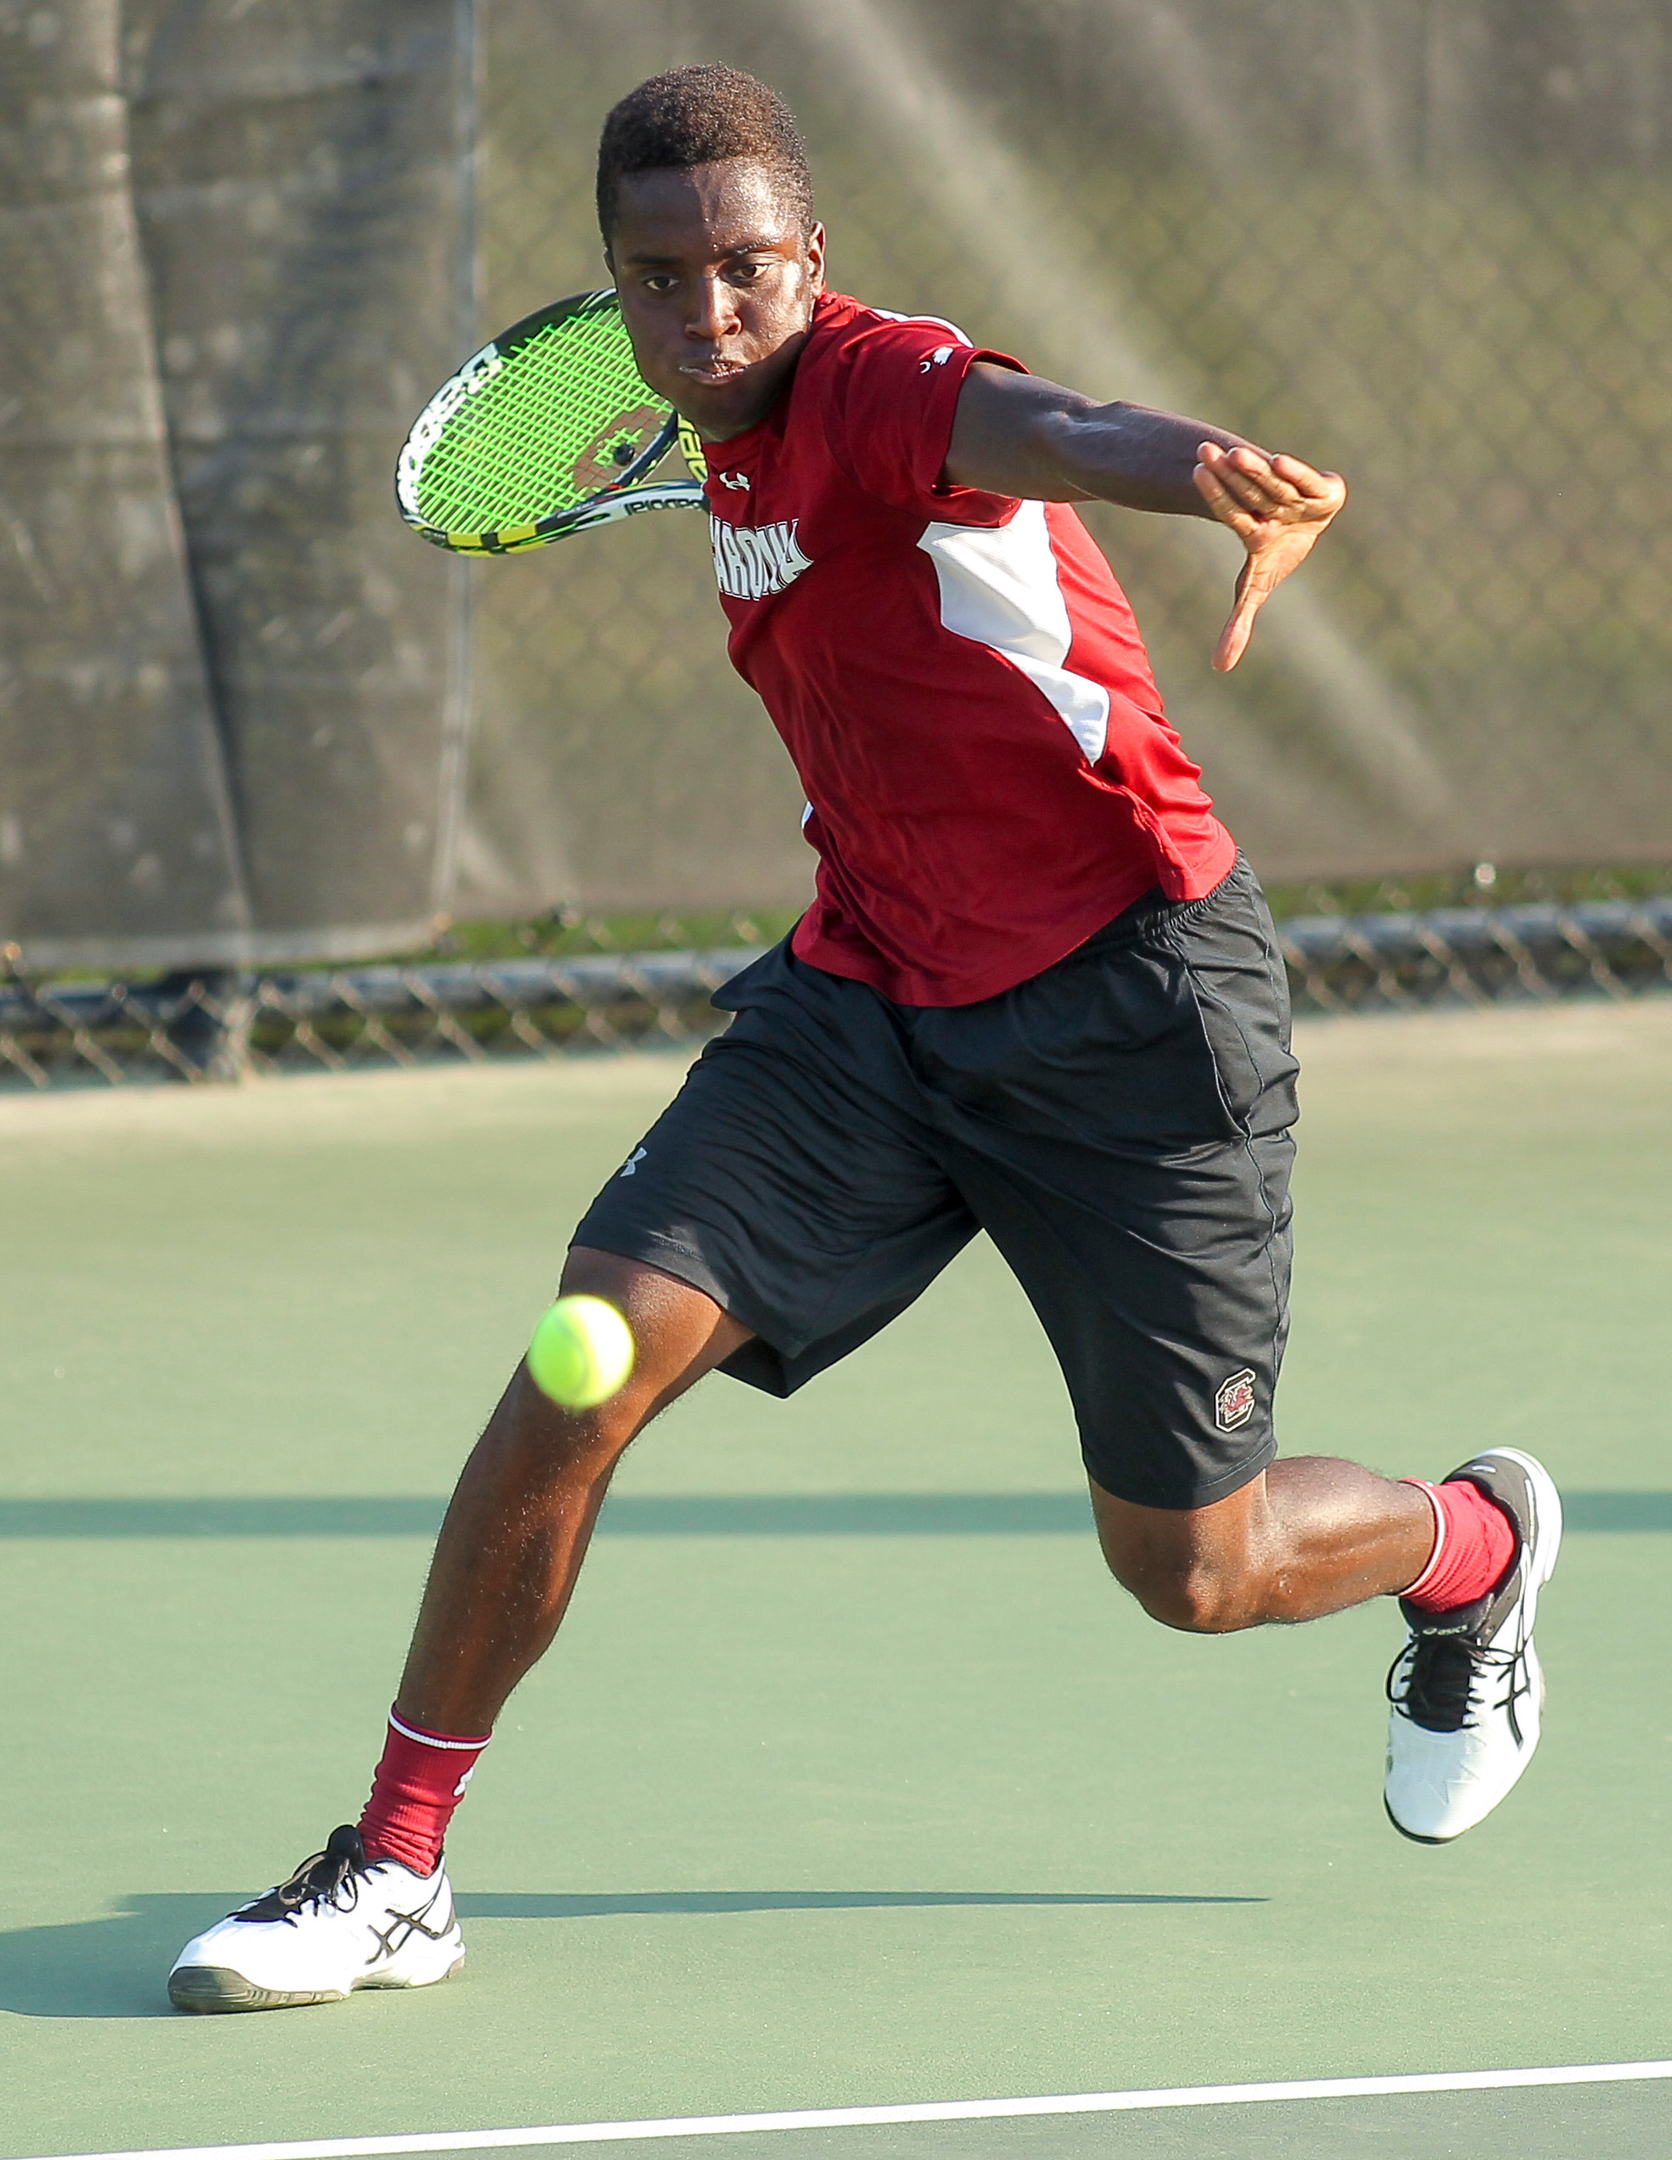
x: 957, y: 676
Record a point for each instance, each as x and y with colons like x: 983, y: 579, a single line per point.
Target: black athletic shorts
x: 1118, y: 1125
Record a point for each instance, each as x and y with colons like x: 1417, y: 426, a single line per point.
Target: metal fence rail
x: 1478, y: 956
x: 220, y: 1025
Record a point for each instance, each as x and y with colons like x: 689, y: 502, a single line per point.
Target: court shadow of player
x: 116, y: 1966
x: 112, y: 1967
x: 603, y: 1905
x: 654, y: 1515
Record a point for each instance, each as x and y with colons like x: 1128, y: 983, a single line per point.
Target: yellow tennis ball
x: 581, y: 1352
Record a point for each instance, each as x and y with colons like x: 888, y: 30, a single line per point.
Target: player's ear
x: 815, y: 257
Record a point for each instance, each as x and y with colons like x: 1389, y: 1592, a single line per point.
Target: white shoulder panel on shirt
x: 999, y: 587
x: 940, y: 322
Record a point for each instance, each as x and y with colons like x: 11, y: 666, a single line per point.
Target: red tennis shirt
x: 957, y: 676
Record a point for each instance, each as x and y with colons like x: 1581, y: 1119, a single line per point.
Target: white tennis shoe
x: 1467, y: 1690
x: 341, y: 1922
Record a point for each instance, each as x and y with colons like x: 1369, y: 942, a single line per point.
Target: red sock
x: 1474, y: 1544
x: 415, y: 1789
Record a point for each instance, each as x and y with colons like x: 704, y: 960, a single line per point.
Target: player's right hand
x: 1277, y: 507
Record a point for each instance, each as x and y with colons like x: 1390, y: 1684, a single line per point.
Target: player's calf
x: 1306, y: 1537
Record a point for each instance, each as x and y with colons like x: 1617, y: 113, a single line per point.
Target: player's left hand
x: 1277, y: 507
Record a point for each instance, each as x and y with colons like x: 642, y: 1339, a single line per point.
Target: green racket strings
x: 562, y: 414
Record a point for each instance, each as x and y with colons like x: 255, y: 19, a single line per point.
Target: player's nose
x: 713, y: 313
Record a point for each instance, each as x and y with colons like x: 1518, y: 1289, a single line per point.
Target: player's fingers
x: 1228, y: 508
x: 1308, y: 482
x: 1248, y: 476
x: 1240, y: 469
x: 1257, y: 581
x: 1233, y: 639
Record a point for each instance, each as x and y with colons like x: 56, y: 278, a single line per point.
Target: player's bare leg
x: 1312, y: 1536
x: 374, y: 1909
x: 517, y: 1528
x: 1309, y: 1536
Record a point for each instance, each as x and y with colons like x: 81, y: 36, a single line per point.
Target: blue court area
x: 853, y: 1780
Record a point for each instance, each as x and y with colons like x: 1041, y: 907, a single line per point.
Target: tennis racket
x: 548, y: 431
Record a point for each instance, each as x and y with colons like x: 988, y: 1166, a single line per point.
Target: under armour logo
x: 938, y: 358
x: 738, y: 482
x: 630, y: 1168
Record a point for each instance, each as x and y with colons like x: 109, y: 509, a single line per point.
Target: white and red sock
x: 415, y: 1788
x: 1474, y: 1543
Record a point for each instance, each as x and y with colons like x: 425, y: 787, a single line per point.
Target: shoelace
x: 320, y: 1880
x: 1440, y: 1682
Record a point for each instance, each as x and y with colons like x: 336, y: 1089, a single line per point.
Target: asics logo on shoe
x: 404, y: 1925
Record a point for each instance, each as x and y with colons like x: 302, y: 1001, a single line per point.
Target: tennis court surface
x: 853, y: 1782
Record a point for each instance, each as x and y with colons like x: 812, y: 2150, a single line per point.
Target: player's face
x: 717, y: 283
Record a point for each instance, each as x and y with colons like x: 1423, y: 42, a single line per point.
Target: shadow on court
x: 511, y: 1905
x: 115, y: 1967
x: 923, y: 1514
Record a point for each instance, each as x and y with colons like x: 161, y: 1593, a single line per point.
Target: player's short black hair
x: 697, y: 116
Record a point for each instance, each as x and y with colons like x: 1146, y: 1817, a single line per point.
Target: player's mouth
x: 713, y: 372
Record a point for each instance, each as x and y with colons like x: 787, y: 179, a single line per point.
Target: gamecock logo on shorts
x: 1234, y: 1404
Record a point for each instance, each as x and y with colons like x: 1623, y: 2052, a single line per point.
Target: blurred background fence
x: 247, y: 723
x: 226, y: 1024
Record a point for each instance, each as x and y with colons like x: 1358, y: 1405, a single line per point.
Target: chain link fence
x: 223, y: 1025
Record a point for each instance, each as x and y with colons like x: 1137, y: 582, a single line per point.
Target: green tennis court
x: 854, y: 1782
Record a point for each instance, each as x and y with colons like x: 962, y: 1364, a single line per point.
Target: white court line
x: 849, y: 2118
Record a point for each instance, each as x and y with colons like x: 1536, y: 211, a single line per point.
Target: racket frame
x: 623, y: 498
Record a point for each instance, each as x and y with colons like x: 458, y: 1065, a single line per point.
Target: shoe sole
x: 1550, y: 1526
x: 216, y: 1989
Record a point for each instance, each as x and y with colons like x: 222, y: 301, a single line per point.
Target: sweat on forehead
x: 703, y: 116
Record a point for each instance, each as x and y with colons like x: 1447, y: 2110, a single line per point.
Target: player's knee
x: 1199, y: 1591
x: 560, y: 1439
x: 1195, y: 1569
x: 679, y: 1333
x: 1196, y: 1597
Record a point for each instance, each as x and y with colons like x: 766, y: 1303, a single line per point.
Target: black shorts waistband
x: 1153, y: 911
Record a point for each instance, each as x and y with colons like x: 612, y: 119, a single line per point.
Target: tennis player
x: 1038, y: 994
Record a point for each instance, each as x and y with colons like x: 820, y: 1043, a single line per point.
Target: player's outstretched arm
x: 1018, y: 434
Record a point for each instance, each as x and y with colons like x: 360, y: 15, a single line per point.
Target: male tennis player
x: 1038, y: 994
